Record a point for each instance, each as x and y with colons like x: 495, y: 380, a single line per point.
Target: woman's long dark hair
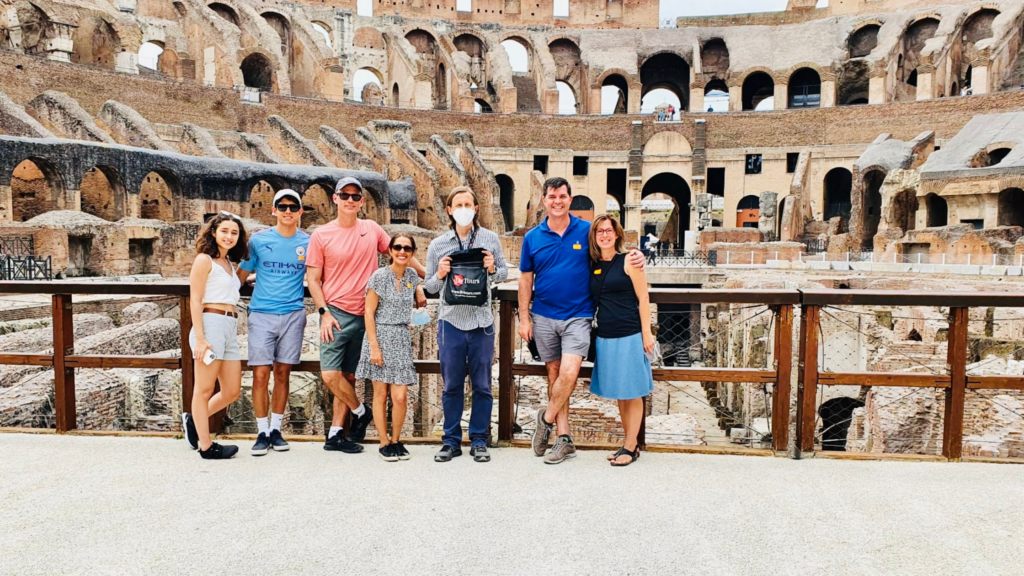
x: 207, y: 242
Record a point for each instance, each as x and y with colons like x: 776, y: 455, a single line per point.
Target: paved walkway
x: 149, y: 506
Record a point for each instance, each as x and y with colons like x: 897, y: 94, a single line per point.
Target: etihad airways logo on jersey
x: 288, y: 265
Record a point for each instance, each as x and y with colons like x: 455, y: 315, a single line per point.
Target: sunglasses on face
x: 289, y: 207
x: 346, y: 196
x: 403, y: 248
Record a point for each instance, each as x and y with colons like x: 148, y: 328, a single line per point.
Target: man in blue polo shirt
x: 277, y: 314
x: 554, y: 268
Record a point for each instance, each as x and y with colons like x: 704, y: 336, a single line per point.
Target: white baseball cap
x: 287, y: 193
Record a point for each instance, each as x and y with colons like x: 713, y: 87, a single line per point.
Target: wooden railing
x: 955, y: 381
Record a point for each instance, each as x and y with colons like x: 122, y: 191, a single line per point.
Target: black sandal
x: 633, y: 456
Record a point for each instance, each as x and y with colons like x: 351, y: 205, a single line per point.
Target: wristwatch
x: 322, y: 310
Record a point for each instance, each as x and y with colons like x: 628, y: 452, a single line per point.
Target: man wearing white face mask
x: 465, y: 333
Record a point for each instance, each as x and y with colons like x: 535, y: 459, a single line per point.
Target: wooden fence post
x: 953, y: 418
x: 807, y: 378
x: 63, y: 377
x: 188, y: 373
x: 784, y: 374
x: 506, y: 355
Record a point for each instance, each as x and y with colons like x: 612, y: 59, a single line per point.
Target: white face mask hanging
x: 463, y: 216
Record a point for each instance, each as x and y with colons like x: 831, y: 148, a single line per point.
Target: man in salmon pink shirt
x: 341, y: 257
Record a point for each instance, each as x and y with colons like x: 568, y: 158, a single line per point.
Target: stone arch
x: 424, y: 42
x: 157, y: 193
x: 714, y: 58
x: 914, y: 38
x: 582, y: 207
x: 667, y: 142
x: 748, y: 211
x: 481, y: 106
x: 368, y: 37
x: 568, y: 60
x: 565, y: 88
x: 441, y: 88
x: 758, y: 86
x: 903, y: 211
x: 804, y: 89
x: 324, y: 31
x: 261, y: 201
x: 470, y: 43
x: 978, y: 24
x: 507, y: 195
x: 36, y: 187
x: 1011, y: 207
x: 95, y: 43
x: 674, y: 186
x: 102, y: 193
x: 619, y: 94
x: 35, y: 25
x: 516, y: 38
x: 395, y: 96
x: 863, y: 39
x: 317, y: 207
x: 937, y: 211
x: 257, y: 71
x: 667, y: 70
x: 837, y: 199
x: 226, y: 12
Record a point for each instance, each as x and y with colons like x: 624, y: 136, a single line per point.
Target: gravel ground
x: 149, y: 506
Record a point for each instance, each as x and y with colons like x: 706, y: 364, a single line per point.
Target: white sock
x: 275, y: 421
x: 263, y: 424
x: 358, y: 412
x: 334, y: 431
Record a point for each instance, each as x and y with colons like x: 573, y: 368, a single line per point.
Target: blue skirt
x: 622, y: 371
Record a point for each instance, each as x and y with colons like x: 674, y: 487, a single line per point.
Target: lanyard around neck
x: 472, y: 238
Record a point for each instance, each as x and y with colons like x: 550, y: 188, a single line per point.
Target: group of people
x: 575, y: 274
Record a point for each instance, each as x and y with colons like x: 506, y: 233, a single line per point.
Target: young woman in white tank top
x: 214, y: 287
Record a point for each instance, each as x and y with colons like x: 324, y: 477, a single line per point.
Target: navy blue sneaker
x: 277, y: 442
x: 401, y: 451
x: 262, y: 445
x: 338, y: 443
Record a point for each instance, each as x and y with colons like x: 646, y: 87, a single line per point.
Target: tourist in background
x: 652, y: 249
x: 622, y: 370
x: 214, y: 286
x: 554, y: 276
x: 465, y: 333
x: 386, y: 356
x: 277, y: 315
x: 342, y: 257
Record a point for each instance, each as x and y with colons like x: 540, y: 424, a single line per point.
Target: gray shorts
x: 342, y: 353
x: 222, y: 334
x: 276, y: 337
x: 557, y: 337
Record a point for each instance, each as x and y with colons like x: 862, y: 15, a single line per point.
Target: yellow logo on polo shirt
x: 597, y: 271
x: 577, y: 246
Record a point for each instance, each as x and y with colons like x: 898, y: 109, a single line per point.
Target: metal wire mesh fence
x: 994, y: 418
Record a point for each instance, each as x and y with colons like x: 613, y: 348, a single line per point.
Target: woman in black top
x: 622, y: 370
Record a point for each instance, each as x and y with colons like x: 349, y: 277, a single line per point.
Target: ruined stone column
x: 768, y: 220
x: 876, y: 88
x: 635, y: 95
x: 925, y: 82
x: 697, y: 99
x: 828, y: 93
x: 127, y: 62
x: 979, y: 77
x: 631, y: 211
x: 781, y: 96
x: 60, y: 46
x: 735, y: 97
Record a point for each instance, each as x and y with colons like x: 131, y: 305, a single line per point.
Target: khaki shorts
x: 557, y: 337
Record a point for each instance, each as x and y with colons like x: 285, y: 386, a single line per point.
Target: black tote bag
x: 467, y: 283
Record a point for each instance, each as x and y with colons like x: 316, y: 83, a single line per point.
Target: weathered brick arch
x: 1012, y: 181
x: 737, y: 80
x: 825, y: 74
x: 469, y: 32
x: 102, y: 193
x: 26, y: 200
x: 630, y: 78
x: 368, y: 37
x: 159, y: 194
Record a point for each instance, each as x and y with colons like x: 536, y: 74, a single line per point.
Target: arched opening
x: 863, y: 40
x: 979, y: 25
x: 613, y: 208
x: 567, y: 102
x: 758, y: 89
x: 394, y: 96
x: 904, y: 210
x: 836, y: 415
x: 954, y: 89
x: 507, y: 197
x: 317, y: 207
x: 36, y: 27
x: 838, y: 183
x: 871, y: 204
x: 518, y: 55
x: 370, y: 210
x: 325, y: 32
x: 423, y: 41
x: 667, y: 71
x: 938, y: 210
x: 614, y: 95
x: 476, y: 49
x: 1011, y: 207
x: 582, y: 207
x: 366, y: 86
x: 261, y: 201
x: 914, y: 39
x: 283, y: 30
x: 102, y: 193
x: 95, y: 43
x: 149, y: 57
x: 156, y: 196
x: 257, y: 72
x: 35, y: 188
x: 659, y: 98
x: 805, y: 89
x: 748, y: 212
x: 781, y: 217
x: 481, y: 106
x: 714, y: 58
x: 674, y: 187
x: 716, y: 96
x: 224, y: 11
x: 853, y: 82
x: 987, y: 158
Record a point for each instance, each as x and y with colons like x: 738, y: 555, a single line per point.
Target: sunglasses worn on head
x: 354, y: 197
x: 230, y: 215
x: 289, y: 207
x: 401, y: 248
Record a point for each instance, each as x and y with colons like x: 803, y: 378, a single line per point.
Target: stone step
x: 526, y: 94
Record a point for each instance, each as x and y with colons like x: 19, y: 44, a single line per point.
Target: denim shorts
x: 276, y: 337
x: 222, y: 334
